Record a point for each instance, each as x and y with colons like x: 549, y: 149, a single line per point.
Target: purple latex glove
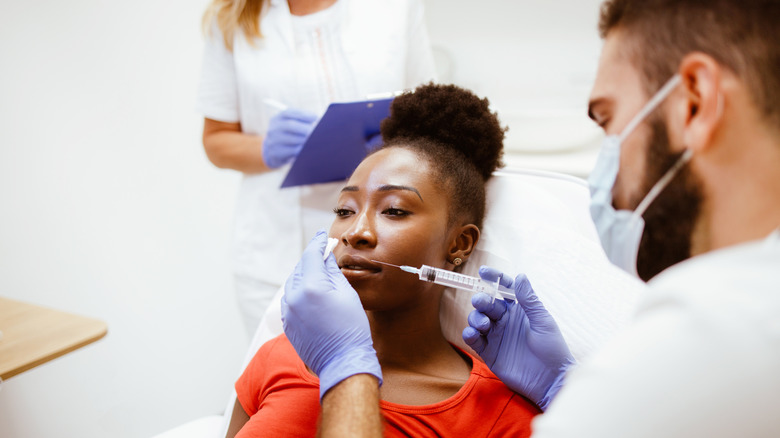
x: 519, y: 340
x: 287, y: 131
x: 325, y: 321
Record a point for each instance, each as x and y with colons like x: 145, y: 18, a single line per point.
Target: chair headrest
x: 538, y: 223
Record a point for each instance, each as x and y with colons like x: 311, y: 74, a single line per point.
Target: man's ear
x: 703, y: 103
x: 462, y: 243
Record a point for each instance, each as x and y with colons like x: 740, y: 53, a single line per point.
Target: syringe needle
x: 388, y: 264
x: 410, y: 269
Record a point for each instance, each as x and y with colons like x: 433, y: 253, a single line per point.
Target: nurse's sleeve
x: 420, y: 68
x: 218, y: 90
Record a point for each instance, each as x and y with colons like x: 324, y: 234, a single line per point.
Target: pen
x: 273, y: 103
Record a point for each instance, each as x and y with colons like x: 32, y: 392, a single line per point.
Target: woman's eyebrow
x: 385, y: 188
x: 391, y: 187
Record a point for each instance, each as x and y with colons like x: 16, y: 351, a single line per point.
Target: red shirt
x: 282, y: 399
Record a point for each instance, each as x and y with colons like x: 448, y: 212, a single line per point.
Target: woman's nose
x: 360, y: 233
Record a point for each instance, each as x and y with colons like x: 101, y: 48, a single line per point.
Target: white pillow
x: 538, y: 223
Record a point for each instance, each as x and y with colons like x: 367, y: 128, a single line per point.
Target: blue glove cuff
x: 556, y: 386
x: 361, y: 360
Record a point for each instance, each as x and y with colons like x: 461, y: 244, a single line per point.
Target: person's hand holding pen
x: 287, y: 131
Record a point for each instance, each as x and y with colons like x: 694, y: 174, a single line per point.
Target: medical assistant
x: 345, y: 52
x: 700, y: 359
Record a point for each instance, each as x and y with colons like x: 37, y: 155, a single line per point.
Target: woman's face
x: 391, y: 210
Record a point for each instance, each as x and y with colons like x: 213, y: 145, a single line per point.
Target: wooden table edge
x: 59, y: 353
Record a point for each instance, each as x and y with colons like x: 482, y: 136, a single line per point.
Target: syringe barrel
x: 461, y: 281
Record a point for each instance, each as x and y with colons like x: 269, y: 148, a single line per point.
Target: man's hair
x: 741, y: 35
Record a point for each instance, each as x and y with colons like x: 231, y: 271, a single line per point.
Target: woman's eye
x: 342, y: 212
x: 395, y: 212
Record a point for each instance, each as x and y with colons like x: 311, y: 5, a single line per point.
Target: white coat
x: 385, y: 48
x: 700, y: 358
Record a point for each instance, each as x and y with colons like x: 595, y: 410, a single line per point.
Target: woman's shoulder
x: 275, y: 365
x: 277, y: 353
x: 280, y: 346
x: 478, y: 368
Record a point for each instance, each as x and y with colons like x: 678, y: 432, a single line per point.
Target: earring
x: 457, y: 261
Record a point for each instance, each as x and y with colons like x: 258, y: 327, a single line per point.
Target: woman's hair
x: 234, y: 15
x: 457, y: 134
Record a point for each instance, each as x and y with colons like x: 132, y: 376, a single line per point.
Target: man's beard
x: 671, y: 217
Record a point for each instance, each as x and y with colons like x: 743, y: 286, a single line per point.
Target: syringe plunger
x: 465, y: 282
x: 457, y: 280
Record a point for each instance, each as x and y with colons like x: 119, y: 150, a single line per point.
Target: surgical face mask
x: 620, y: 231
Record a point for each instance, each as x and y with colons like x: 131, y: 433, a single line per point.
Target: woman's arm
x: 237, y: 420
x: 351, y: 409
x: 229, y: 148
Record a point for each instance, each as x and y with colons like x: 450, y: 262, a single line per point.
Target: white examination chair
x: 538, y: 223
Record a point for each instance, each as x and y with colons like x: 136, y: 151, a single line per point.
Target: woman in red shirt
x: 420, y: 199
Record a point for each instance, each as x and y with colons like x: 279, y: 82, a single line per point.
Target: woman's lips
x: 356, y: 266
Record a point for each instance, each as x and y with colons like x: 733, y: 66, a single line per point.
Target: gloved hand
x: 519, y: 340
x: 287, y: 131
x: 324, y: 320
x: 373, y: 142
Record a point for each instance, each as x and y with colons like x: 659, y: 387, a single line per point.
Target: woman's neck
x: 408, y: 337
x: 419, y: 366
x: 306, y: 7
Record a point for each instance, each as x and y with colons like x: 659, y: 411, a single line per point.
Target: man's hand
x: 519, y: 341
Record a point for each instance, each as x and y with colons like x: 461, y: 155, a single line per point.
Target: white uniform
x: 350, y: 50
x: 701, y: 357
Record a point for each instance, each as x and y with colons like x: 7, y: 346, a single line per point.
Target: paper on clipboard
x: 337, y: 144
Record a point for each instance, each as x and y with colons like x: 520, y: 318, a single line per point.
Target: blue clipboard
x: 337, y: 144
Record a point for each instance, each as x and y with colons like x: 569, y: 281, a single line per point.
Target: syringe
x: 458, y: 281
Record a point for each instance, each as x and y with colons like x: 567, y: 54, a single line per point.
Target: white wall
x: 536, y: 61
x: 522, y: 54
x: 109, y: 208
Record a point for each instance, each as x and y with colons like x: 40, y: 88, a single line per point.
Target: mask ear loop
x: 650, y: 106
x: 667, y: 178
x: 663, y: 182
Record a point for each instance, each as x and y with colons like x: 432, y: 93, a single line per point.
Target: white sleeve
x: 680, y: 370
x: 419, y: 63
x: 218, y: 91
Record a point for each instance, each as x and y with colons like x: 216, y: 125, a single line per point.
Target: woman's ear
x: 462, y: 244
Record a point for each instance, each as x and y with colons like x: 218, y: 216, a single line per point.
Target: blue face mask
x: 620, y: 231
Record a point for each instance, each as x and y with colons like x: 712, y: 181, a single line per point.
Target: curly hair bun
x: 452, y: 117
